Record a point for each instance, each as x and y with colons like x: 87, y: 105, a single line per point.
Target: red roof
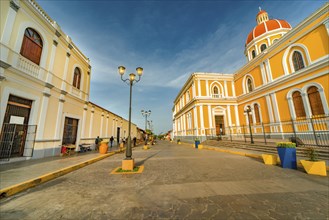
x: 266, y: 26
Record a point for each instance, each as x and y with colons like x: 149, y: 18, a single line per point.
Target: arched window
x: 263, y: 47
x: 253, y: 54
x: 215, y: 92
x: 250, y: 85
x: 297, y: 60
x: 315, y: 101
x: 257, y: 114
x: 77, y: 78
x: 298, y: 104
x: 32, y: 46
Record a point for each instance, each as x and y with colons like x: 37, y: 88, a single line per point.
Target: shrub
x: 311, y: 153
x: 286, y: 144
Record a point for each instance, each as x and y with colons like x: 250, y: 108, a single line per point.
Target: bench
x: 67, y: 149
x: 85, y: 147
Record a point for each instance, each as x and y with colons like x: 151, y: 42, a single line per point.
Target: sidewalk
x: 21, y: 175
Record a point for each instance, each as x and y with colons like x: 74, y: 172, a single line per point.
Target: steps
x: 323, y: 152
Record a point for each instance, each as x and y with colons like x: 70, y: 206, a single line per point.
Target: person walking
x: 97, y: 141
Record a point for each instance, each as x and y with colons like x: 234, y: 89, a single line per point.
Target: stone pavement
x: 13, y: 174
x: 178, y: 182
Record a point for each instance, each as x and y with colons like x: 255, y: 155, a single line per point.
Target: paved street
x: 178, y: 182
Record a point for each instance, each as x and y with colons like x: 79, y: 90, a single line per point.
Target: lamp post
x: 130, y: 81
x: 146, y: 113
x: 248, y: 112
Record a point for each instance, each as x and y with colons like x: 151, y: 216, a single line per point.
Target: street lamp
x: 130, y: 81
x: 146, y: 113
x: 248, y: 112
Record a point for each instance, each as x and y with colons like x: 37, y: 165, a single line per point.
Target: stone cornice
x: 14, y: 5
x: 4, y: 64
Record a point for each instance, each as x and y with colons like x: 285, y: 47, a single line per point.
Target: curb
x: 257, y: 156
x: 12, y: 190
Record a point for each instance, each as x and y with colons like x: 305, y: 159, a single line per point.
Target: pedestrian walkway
x: 178, y: 182
x: 14, y: 175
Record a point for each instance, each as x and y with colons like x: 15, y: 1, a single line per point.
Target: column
x: 184, y: 124
x: 225, y: 88
x: 51, y: 62
x: 268, y: 70
x: 236, y: 111
x: 210, y: 117
x: 207, y: 88
x: 199, y: 88
x: 91, y: 121
x: 107, y: 126
x: 229, y: 115
x: 102, y: 122
x: 269, y: 108
x: 262, y: 69
x: 326, y: 24
x: 59, y: 116
x: 112, y: 133
x: 276, y: 110
x: 43, y: 113
x: 195, y: 116
x: 233, y: 88
x: 65, y: 71
x: 275, y: 107
x: 201, y: 119
x: 85, y: 108
x: 8, y: 28
x: 193, y: 90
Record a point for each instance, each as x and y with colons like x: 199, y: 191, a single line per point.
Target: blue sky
x: 169, y: 39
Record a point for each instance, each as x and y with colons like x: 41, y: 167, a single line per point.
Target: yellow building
x: 281, y: 92
x: 44, y: 87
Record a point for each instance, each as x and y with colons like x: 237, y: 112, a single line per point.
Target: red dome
x: 265, y: 27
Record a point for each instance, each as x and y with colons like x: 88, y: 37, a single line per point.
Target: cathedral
x: 281, y: 92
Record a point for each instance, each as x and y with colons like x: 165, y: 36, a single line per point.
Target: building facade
x: 285, y: 81
x: 45, y: 88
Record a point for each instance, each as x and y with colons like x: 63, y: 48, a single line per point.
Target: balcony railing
x: 33, y: 70
x: 308, y: 132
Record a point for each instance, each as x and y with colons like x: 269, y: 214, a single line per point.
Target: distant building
x: 45, y: 88
x: 285, y: 81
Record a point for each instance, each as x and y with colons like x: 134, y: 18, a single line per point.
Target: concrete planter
x: 270, y: 159
x: 103, y: 147
x: 287, y: 157
x: 314, y: 167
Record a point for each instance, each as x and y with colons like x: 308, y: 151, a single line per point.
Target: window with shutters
x: 77, y: 78
x: 298, y: 104
x: 297, y: 60
x: 32, y: 46
x: 257, y: 113
x: 315, y: 101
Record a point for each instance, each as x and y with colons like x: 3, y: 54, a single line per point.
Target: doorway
x: 15, y: 127
x: 70, y: 131
x: 118, y: 135
x: 220, y: 126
